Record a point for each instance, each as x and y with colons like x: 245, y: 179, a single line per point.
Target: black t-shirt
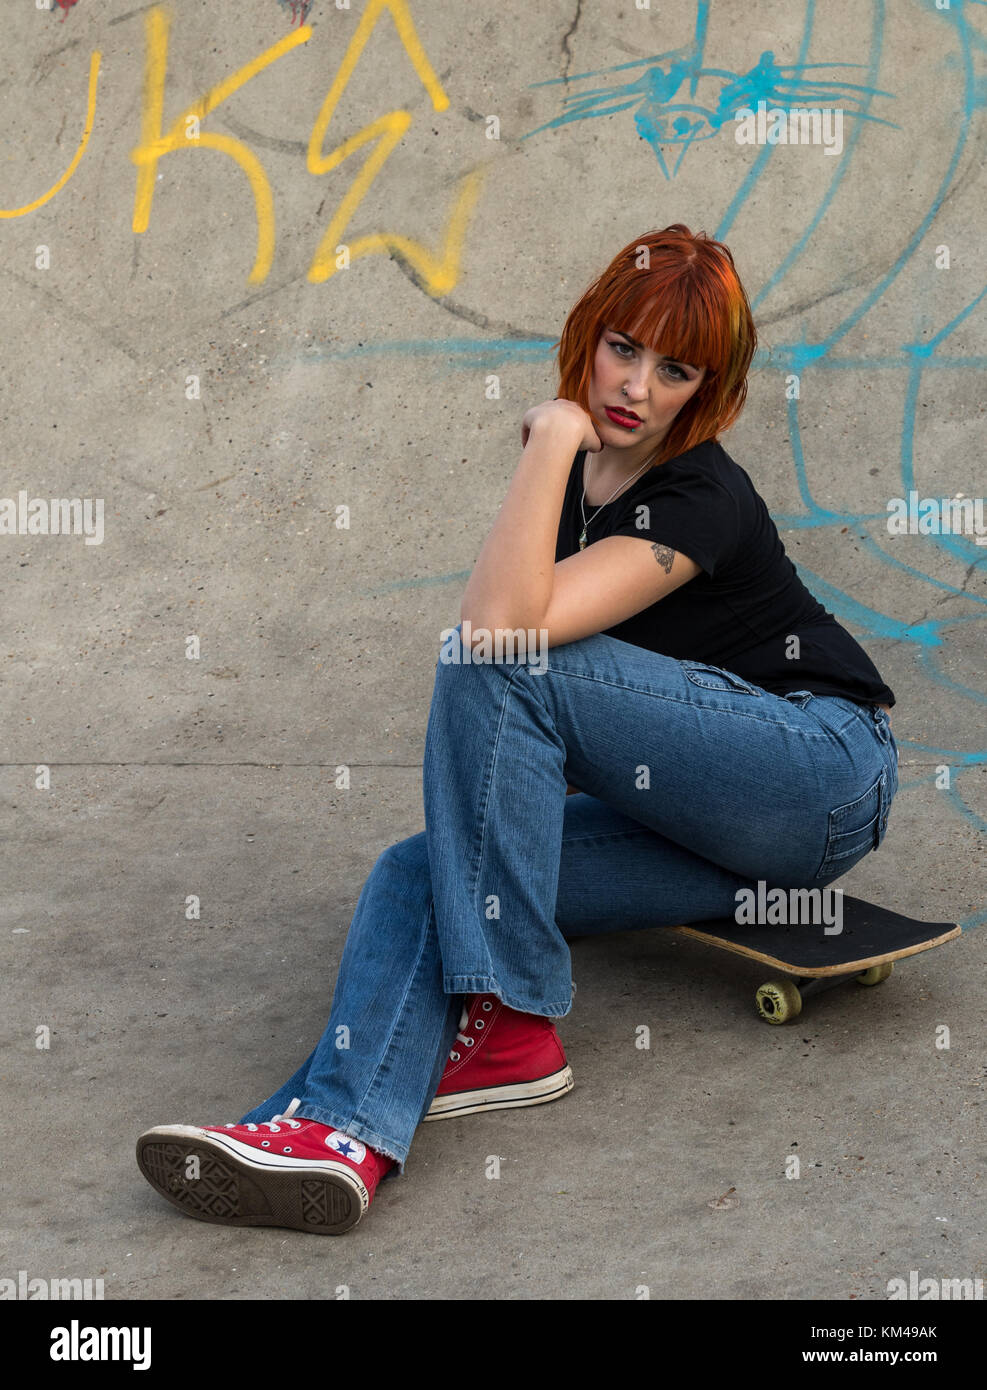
x: 743, y: 608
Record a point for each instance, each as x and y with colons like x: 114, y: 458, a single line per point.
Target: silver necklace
x: 626, y: 483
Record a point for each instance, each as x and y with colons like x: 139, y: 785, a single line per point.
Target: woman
x: 721, y: 727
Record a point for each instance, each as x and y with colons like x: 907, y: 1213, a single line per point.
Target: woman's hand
x: 566, y: 415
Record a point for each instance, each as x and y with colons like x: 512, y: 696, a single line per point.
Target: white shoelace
x: 274, y: 1125
x: 478, y: 1024
x: 463, y: 1020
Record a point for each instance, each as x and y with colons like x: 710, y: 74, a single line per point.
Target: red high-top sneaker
x: 502, y: 1060
x: 282, y: 1172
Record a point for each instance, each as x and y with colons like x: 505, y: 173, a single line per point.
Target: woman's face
x: 657, y: 389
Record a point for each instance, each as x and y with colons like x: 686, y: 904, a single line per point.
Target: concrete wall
x: 175, y: 346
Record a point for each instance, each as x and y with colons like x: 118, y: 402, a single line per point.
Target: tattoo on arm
x: 665, y: 556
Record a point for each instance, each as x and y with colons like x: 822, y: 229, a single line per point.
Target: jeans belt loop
x: 882, y: 723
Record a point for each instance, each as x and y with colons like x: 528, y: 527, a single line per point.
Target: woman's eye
x: 676, y: 373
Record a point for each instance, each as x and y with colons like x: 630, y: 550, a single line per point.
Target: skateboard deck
x: 871, y: 940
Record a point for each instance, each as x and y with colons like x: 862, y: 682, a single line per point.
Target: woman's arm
x: 516, y: 582
x: 512, y: 580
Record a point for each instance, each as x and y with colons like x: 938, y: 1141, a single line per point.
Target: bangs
x: 668, y: 317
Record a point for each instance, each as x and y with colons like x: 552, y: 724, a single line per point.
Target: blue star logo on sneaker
x: 345, y: 1145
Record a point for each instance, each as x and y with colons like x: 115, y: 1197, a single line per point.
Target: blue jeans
x: 694, y: 784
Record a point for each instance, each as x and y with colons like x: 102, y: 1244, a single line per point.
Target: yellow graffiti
x: 153, y: 144
x: 90, y: 117
x: 439, y: 273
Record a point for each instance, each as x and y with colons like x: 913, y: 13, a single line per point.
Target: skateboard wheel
x: 778, y: 1001
x: 875, y: 974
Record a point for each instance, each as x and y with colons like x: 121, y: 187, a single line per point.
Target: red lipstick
x: 626, y: 420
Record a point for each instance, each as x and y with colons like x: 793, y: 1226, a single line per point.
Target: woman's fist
x: 564, y: 415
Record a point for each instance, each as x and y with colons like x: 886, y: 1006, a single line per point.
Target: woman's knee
x: 408, y: 856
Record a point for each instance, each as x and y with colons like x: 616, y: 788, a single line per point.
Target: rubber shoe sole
x: 206, y: 1180
x: 537, y: 1092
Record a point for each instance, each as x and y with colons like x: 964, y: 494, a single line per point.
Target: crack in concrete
x: 105, y: 334
x: 48, y: 762
x: 132, y: 14
x: 266, y: 142
x: 974, y: 564
x: 803, y: 305
x: 476, y: 317
x: 566, y: 48
x: 241, y: 304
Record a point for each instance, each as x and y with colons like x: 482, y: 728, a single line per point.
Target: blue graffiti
x: 662, y: 120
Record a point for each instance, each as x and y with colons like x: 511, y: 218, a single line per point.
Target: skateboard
x: 871, y: 940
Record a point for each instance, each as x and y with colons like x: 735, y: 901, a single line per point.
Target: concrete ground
x: 224, y: 420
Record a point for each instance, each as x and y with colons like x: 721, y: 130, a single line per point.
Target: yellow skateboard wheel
x: 875, y: 974
x: 778, y: 1001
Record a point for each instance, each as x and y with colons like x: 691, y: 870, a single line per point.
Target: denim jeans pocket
x: 856, y: 828
x: 716, y: 678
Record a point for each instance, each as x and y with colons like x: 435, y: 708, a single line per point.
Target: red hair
x: 679, y: 294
